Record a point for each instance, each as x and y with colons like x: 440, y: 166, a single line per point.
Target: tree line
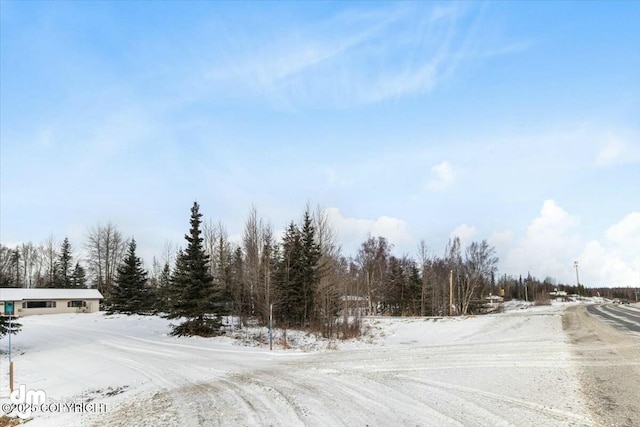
x: 303, y: 276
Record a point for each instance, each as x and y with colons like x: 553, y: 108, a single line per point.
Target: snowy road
x: 509, y: 369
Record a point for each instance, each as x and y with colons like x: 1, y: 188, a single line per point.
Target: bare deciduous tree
x: 50, y: 253
x: 266, y: 295
x: 105, y: 248
x: 31, y: 264
x: 479, y: 264
x: 423, y: 253
x: 252, y: 246
x: 211, y: 237
x: 8, y: 266
x: 372, y: 259
x: 330, y: 273
x: 453, y: 257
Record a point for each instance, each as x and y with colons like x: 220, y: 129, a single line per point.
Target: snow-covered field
x: 513, y: 368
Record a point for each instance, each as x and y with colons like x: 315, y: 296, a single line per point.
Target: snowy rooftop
x: 19, y: 294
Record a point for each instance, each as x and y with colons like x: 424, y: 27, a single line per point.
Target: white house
x: 49, y: 301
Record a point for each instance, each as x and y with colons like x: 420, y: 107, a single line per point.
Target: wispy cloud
x: 354, y: 58
x: 617, y: 149
x: 442, y: 176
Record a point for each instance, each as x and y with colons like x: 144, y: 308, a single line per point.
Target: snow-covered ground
x: 513, y: 368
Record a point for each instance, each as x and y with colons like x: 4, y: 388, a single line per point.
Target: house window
x: 39, y: 304
x: 76, y: 303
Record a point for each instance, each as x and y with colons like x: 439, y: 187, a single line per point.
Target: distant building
x: 27, y: 302
x: 494, y: 298
x: 354, y: 305
x: 558, y: 295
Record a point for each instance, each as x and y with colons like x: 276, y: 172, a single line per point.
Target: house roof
x: 20, y: 294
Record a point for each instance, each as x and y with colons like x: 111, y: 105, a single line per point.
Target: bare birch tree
x: 425, y: 295
x: 479, y: 264
x: 5, y: 266
x: 373, y: 259
x: 266, y: 295
x: 453, y: 258
x: 33, y: 267
x: 252, y: 247
x: 328, y: 292
x: 50, y: 253
x: 105, y: 248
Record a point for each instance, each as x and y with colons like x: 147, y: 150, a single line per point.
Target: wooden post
x: 450, y: 292
x: 270, y: 326
x: 10, y: 360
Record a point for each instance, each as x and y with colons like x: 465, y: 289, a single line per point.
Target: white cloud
x: 334, y: 179
x: 549, y: 246
x: 616, y: 260
x: 609, y: 153
x: 552, y: 222
x: 443, y: 176
x: 501, y: 238
x: 353, y: 231
x: 618, y: 149
x: 552, y: 243
x: 625, y: 235
x: 604, y: 266
x: 465, y: 233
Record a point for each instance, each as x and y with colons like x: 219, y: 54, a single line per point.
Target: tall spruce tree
x: 163, y: 291
x: 309, y: 267
x: 64, y: 267
x: 194, y: 295
x: 79, y: 277
x: 289, y: 285
x: 297, y: 274
x: 130, y: 294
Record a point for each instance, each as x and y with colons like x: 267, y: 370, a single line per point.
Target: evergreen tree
x: 415, y: 288
x: 63, y: 268
x: 240, y: 301
x: 130, y: 294
x: 163, y: 291
x: 310, y: 258
x: 291, y: 295
x: 194, y: 295
x: 4, y: 325
x: 79, y: 277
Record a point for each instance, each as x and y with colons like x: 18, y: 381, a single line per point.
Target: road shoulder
x: 608, y: 363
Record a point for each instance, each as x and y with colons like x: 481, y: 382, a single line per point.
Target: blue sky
x: 516, y: 122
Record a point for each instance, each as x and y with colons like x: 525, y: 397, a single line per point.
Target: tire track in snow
x: 125, y: 356
x: 474, y: 394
